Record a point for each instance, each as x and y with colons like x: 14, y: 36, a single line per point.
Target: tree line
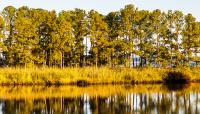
x: 78, y: 38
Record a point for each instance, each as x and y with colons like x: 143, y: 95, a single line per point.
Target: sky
x: 106, y: 6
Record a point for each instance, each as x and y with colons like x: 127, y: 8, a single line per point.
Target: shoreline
x: 94, y: 84
x: 82, y: 85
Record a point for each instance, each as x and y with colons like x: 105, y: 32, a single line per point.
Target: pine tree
x: 127, y: 15
x: 64, y: 32
x: 24, y: 37
x: 80, y: 31
x: 176, y: 44
x: 38, y: 17
x: 9, y: 17
x: 2, y: 36
x: 113, y: 20
x: 143, y: 33
x: 188, y: 37
x: 51, y: 39
x: 99, y: 38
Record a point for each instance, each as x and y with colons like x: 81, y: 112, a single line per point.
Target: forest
x: 77, y: 38
x: 84, y: 62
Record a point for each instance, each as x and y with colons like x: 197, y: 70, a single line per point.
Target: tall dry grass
x: 88, y: 75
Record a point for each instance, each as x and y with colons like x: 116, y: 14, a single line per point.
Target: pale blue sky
x: 105, y: 6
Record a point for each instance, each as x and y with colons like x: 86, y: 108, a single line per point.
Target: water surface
x: 107, y: 99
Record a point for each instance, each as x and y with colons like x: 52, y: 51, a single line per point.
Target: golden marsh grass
x: 89, y: 75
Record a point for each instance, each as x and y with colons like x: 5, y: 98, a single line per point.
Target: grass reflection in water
x: 107, y: 99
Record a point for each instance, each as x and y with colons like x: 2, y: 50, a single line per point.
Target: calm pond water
x: 115, y: 99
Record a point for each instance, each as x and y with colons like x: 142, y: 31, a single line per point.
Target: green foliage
x: 37, y: 37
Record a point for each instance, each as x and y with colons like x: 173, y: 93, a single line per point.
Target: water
x: 115, y: 99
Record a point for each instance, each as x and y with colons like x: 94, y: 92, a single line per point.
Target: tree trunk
x: 61, y: 60
x: 48, y: 58
x: 141, y: 61
x: 133, y: 61
x: 96, y: 63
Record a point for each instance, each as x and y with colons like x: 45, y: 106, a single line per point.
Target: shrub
x: 177, y: 77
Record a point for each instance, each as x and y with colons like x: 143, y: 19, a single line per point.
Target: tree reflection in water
x: 152, y: 102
